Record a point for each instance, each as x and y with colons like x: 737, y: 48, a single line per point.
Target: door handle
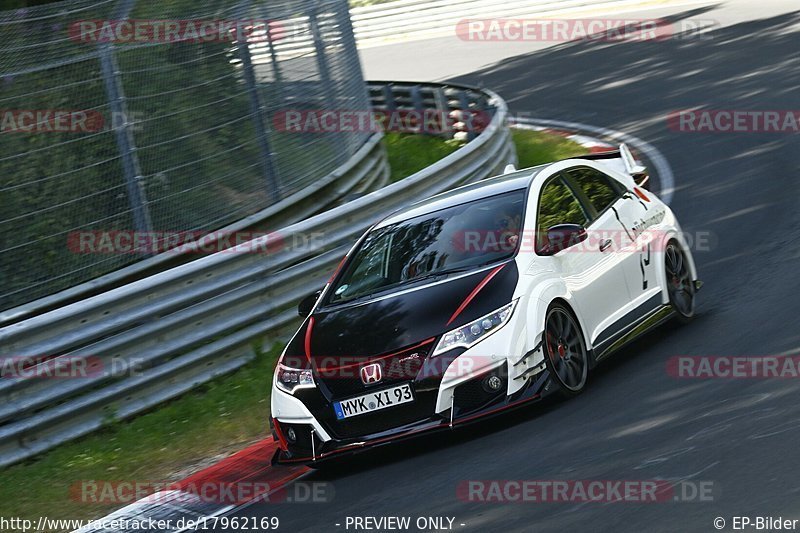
x: 605, y: 245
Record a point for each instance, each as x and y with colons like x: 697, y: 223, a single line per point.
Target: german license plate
x: 374, y: 401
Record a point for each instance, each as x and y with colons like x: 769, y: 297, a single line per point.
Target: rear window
x: 454, y: 239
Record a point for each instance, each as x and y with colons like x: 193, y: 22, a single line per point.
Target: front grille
x: 405, y: 368
x: 344, y: 387
x: 398, y: 367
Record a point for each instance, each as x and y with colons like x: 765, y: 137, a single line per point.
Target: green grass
x: 539, y: 147
x: 215, y: 419
x: 409, y: 153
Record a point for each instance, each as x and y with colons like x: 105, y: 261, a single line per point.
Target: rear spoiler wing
x: 630, y: 166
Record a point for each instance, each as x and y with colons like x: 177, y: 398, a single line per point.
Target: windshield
x: 457, y: 238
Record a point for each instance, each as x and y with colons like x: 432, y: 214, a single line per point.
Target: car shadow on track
x: 371, y: 458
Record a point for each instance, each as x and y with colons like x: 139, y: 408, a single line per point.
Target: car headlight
x: 290, y: 379
x: 470, y: 334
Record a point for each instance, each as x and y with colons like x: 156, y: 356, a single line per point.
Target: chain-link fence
x: 143, y: 117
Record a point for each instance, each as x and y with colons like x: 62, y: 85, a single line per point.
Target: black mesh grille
x: 344, y: 387
x: 398, y: 367
x: 302, y: 443
x: 472, y: 394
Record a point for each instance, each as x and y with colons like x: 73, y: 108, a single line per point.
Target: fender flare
x: 540, y: 301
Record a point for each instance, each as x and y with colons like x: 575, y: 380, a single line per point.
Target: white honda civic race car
x: 478, y: 300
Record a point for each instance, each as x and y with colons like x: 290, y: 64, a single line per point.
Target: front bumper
x: 317, y: 439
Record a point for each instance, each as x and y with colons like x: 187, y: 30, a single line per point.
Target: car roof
x: 513, y: 181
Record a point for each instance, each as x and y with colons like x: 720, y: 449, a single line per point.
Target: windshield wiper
x: 426, y: 277
x: 439, y: 274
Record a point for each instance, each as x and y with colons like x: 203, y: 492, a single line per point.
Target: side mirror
x: 562, y: 236
x: 307, y: 304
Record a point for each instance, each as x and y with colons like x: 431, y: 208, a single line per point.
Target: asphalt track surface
x: 635, y: 421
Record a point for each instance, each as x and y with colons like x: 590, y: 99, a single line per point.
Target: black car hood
x: 396, y: 321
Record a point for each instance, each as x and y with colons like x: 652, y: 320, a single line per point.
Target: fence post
x: 443, y: 112
x: 419, y: 107
x: 258, y: 112
x: 388, y: 98
x: 273, y: 56
x: 350, y: 46
x: 469, y: 117
x: 348, y: 37
x: 325, y: 76
x: 322, y: 60
x: 125, y: 140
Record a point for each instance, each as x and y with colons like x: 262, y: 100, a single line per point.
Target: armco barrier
x: 188, y: 324
x: 465, y: 109
x: 403, y: 19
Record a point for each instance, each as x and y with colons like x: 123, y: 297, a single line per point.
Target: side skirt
x: 637, y: 328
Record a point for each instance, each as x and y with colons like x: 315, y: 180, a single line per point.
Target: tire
x: 679, y: 283
x: 565, y: 353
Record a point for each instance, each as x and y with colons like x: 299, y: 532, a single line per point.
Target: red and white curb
x: 598, y: 139
x: 592, y: 145
x: 184, y: 503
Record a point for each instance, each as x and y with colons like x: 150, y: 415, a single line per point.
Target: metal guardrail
x: 158, y: 337
x: 420, y: 18
x: 456, y: 113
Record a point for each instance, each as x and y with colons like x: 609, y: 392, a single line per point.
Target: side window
x: 598, y: 188
x: 557, y: 205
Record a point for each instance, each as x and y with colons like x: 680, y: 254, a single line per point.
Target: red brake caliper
x: 550, y: 343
